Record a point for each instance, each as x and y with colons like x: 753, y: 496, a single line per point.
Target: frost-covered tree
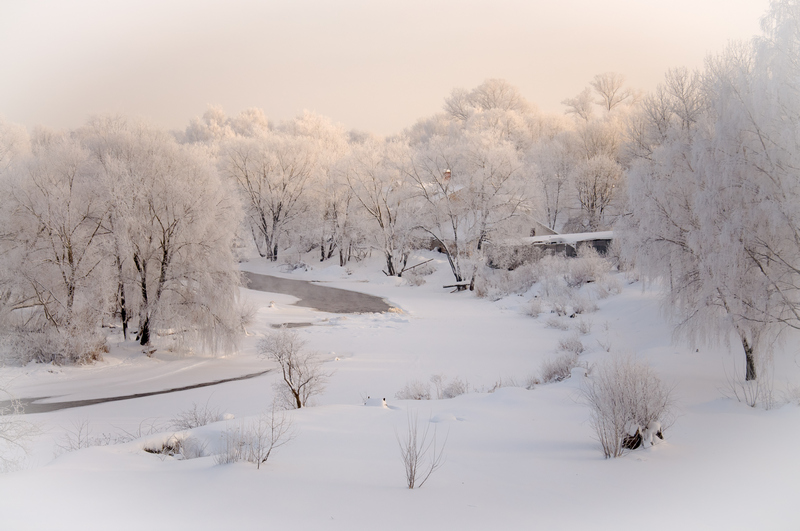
x: 302, y: 374
x: 596, y: 181
x: 212, y: 128
x: 272, y: 172
x: 374, y: 173
x: 472, y: 186
x: 609, y: 88
x: 714, y: 193
x: 52, y: 244
x: 581, y: 107
x: 14, y: 142
x: 174, y: 221
x: 327, y: 223
x: 553, y: 162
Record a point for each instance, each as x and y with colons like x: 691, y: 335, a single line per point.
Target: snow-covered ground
x: 515, y: 458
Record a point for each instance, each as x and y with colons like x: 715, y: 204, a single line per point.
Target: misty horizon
x: 367, y: 67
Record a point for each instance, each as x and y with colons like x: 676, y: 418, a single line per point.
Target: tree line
x: 120, y: 222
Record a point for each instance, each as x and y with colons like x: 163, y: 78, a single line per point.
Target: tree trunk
x: 144, y: 332
x: 389, y: 265
x: 144, y: 317
x: 750, y: 360
x: 123, y: 308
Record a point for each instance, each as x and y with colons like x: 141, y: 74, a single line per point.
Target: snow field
x: 515, y: 458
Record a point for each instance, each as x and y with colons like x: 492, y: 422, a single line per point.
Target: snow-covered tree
x: 174, y: 222
x: 374, y: 173
x: 54, y: 269
x: 581, y: 107
x: 714, y: 193
x: 272, y: 172
x: 327, y: 223
x: 14, y: 142
x: 597, y: 181
x: 609, y: 88
x: 472, y: 186
x: 553, y: 162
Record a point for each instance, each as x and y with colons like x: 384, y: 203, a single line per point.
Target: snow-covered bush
x: 607, y: 286
x: 571, y: 344
x: 80, y: 435
x: 561, y: 305
x: 495, y: 284
x: 568, y: 301
x: 534, y: 308
x: 560, y: 368
x: 451, y: 389
x: 587, y: 267
x: 171, y: 445
x: 414, y: 390
x: 15, y: 433
x: 625, y: 397
x: 583, y: 326
x: 793, y: 395
x: 195, y: 417
x: 193, y: 448
x: 581, y: 304
x: 416, y: 276
x: 558, y: 324
x: 255, y: 441
x: 455, y: 388
x: 561, y: 280
x: 75, y: 344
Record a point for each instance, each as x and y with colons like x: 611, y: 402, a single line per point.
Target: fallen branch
x: 412, y: 267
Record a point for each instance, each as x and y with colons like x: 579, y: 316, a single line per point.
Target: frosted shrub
x: 554, y: 286
x: 534, y: 308
x: 177, y: 445
x: 568, y: 301
x: 583, y: 326
x: 450, y: 389
x: 582, y: 304
x: 414, y: 280
x: 255, y: 441
x: 195, y: 417
x: 587, y: 267
x: 495, y: 284
x: 560, y: 368
x: 561, y: 305
x: 625, y: 397
x: 793, y: 395
x: 416, y: 276
x: 79, y: 435
x: 15, y: 433
x: 70, y: 346
x: 558, y: 324
x: 607, y: 286
x: 455, y: 388
x: 571, y: 344
x: 414, y: 390
x: 550, y: 269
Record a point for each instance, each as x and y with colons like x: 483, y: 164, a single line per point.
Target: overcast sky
x: 373, y: 65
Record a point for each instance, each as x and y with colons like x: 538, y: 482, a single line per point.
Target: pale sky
x: 374, y: 65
